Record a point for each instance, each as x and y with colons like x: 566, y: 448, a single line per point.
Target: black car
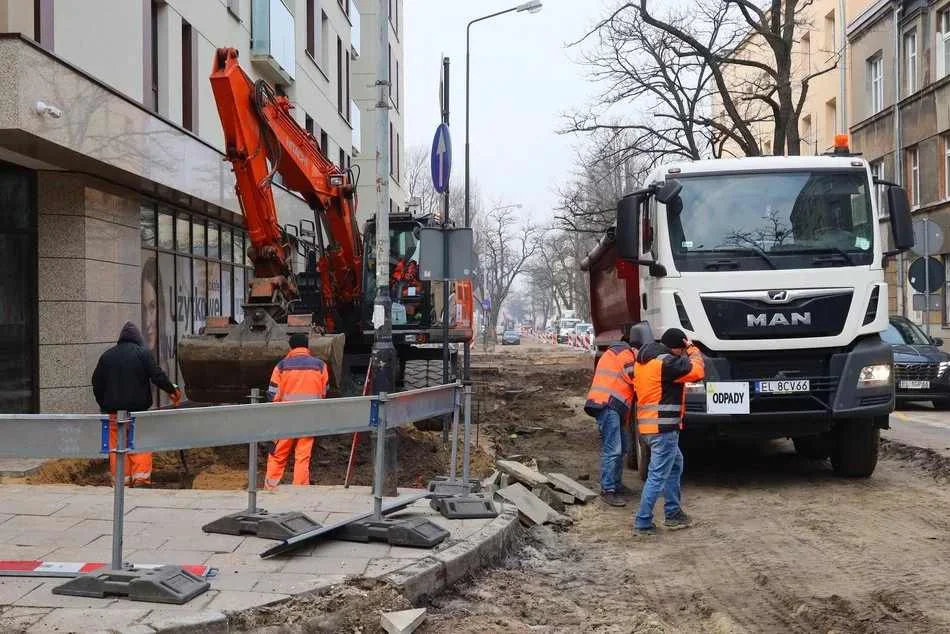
x: 921, y: 368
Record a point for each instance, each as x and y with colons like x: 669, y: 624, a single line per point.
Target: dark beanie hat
x: 673, y: 338
x: 299, y: 340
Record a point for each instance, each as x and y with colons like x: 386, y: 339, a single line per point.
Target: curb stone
x: 416, y: 581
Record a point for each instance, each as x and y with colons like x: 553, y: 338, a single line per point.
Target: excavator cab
x: 411, y: 298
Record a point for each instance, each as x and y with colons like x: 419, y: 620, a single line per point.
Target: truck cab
x: 774, y: 266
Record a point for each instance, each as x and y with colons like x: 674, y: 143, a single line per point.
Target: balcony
x: 272, y: 40
x: 355, y: 30
x: 355, y: 119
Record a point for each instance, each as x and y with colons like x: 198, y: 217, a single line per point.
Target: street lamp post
x: 531, y: 7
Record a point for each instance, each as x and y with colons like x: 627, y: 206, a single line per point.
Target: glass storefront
x: 191, y: 268
x: 18, y: 301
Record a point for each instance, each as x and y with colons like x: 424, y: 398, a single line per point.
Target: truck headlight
x: 695, y: 388
x: 874, y: 375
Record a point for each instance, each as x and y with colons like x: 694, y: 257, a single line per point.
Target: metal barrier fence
x: 87, y: 436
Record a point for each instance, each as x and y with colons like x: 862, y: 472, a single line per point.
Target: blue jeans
x: 663, y: 478
x: 613, y: 445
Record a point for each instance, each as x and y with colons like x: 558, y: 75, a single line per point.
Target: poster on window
x: 184, y: 301
x: 165, y: 309
x: 239, y: 294
x: 199, y: 305
x: 214, y: 289
x: 227, y: 307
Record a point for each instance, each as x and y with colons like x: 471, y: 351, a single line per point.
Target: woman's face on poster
x: 150, y: 314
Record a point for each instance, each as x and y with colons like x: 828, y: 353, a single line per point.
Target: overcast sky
x: 523, y: 78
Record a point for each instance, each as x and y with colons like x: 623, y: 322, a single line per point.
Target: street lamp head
x: 531, y: 7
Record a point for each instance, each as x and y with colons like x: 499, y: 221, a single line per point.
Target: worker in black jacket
x: 122, y: 381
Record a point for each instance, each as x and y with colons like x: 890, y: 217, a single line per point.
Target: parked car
x: 511, y: 338
x: 583, y: 328
x: 921, y: 368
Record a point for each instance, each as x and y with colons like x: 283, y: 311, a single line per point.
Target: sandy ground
x: 781, y: 544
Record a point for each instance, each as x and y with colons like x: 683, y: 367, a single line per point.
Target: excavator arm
x: 262, y: 138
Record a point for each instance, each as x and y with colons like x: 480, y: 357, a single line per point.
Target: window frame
x: 875, y: 66
x: 913, y: 164
x: 909, y: 42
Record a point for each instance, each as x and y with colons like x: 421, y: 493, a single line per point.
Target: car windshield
x: 511, y: 333
x: 772, y: 220
x: 899, y: 332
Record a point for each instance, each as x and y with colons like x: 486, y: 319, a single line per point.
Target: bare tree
x: 737, y: 53
x: 503, y: 248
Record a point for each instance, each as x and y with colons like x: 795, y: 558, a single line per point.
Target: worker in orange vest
x: 299, y: 376
x: 609, y: 400
x: 662, y: 371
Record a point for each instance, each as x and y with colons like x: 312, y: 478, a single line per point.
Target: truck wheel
x: 856, y: 448
x: 420, y: 373
x: 942, y: 405
x: 812, y: 447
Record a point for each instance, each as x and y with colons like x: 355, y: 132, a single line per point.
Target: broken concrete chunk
x: 575, y: 488
x: 521, y: 473
x: 546, y: 494
x: 530, y: 506
x: 402, y: 622
x: 566, y: 498
x: 490, y: 483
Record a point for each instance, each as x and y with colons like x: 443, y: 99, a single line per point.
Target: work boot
x: 612, y: 498
x: 677, y: 521
x: 623, y: 489
x: 644, y: 533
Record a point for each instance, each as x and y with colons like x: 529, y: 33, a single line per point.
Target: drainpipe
x: 898, y: 154
x: 842, y: 69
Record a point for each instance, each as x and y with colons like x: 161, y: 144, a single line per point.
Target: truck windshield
x: 772, y: 220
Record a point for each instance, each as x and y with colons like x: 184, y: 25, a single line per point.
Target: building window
x: 392, y: 166
x: 831, y: 121
x: 308, y: 123
x: 398, y: 158
x: 807, y: 135
x: 234, y: 8
x: 943, y: 43
x: 806, y: 52
x: 190, y: 269
x: 830, y: 31
x: 324, y: 43
x: 390, y: 71
x: 394, y: 15
x: 43, y: 23
x: 876, y: 78
x: 910, y: 62
x: 339, y: 75
x: 311, y: 29
x: 346, y: 100
x: 187, y: 77
x: 152, y: 49
x: 913, y: 163
x: 877, y: 171
x: 325, y: 143
x: 946, y: 166
x: 342, y: 160
x: 396, y: 80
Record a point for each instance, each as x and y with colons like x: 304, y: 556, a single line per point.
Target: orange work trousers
x: 138, y: 466
x: 277, y: 461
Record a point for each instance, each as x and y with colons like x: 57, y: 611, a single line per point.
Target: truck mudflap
x: 833, y: 388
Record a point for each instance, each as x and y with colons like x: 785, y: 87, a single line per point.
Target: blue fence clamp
x: 104, y: 437
x: 374, y: 414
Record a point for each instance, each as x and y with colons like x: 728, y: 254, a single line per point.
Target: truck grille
x: 916, y: 371
x: 781, y: 364
x: 821, y: 316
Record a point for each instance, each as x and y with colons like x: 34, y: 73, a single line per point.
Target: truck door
x: 649, y: 303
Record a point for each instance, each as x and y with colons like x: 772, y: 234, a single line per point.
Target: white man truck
x: 774, y: 266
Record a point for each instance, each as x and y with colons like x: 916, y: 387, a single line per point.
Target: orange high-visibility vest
x: 298, y: 377
x: 659, y: 381
x: 613, y: 381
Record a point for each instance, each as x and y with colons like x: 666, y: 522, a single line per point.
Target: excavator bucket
x: 223, y: 367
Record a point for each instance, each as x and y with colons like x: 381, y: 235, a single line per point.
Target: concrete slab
x: 569, y: 485
x: 20, y: 467
x: 170, y: 532
x: 402, y: 622
x: 86, y: 620
x: 529, y: 504
x: 521, y: 473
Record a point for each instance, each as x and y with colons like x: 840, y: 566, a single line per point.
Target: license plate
x: 792, y: 386
x: 915, y: 385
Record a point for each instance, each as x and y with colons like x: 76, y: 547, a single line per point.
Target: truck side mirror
x: 902, y: 227
x: 627, y: 234
x: 669, y: 190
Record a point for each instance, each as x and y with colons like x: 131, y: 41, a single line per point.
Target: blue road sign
x: 441, y: 158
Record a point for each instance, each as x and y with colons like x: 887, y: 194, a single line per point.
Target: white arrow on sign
x: 440, y: 151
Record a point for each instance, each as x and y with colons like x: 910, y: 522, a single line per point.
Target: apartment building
x: 366, y: 95
x: 815, y: 54
x: 115, y: 200
x: 900, y: 82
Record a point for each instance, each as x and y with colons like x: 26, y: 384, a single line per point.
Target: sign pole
x: 927, y: 277
x: 446, y: 315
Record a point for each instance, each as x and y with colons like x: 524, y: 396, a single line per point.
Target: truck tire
x: 420, y: 373
x: 855, y: 448
x: 813, y: 447
x: 942, y: 405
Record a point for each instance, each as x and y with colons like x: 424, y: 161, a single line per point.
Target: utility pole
x: 383, y: 351
x: 842, y: 69
x: 446, y: 317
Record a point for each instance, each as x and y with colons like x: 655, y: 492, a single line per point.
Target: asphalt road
x: 919, y: 425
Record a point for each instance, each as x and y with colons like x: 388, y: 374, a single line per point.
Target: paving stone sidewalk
x: 71, y: 523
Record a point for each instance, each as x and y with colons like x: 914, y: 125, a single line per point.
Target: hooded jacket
x: 122, y: 376
x: 659, y: 379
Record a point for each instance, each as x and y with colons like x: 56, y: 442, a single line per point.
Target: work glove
x: 175, y: 396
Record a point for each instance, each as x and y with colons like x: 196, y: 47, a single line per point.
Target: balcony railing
x: 272, y: 40
x: 357, y: 127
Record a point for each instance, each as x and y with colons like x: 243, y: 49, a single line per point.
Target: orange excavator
x: 332, y: 297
